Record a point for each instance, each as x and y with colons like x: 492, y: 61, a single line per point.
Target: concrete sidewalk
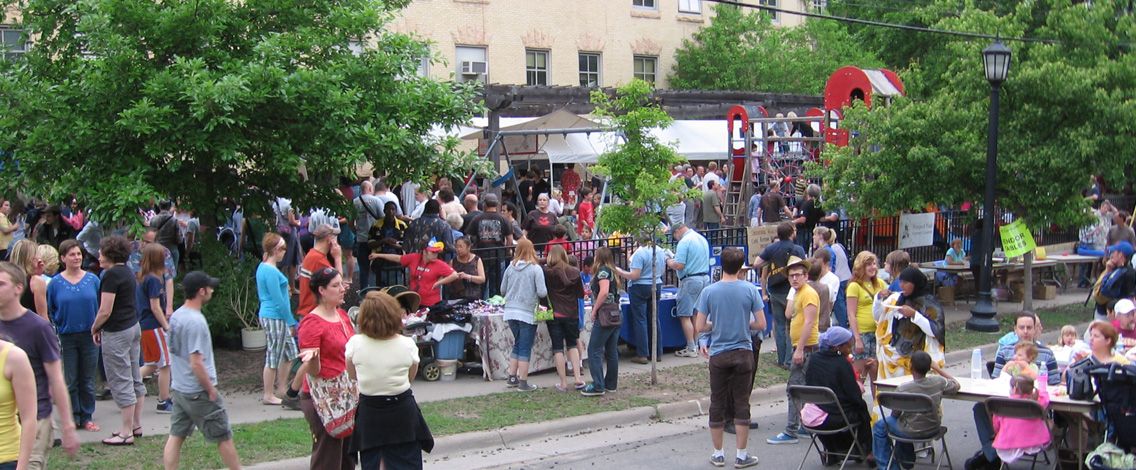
x: 246, y: 407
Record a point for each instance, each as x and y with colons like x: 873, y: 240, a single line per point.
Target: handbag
x: 335, y: 400
x: 609, y: 315
x: 1078, y: 382
x: 542, y: 313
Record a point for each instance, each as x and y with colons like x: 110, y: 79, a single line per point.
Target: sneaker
x: 610, y: 390
x: 512, y: 382
x: 591, y: 391
x: 526, y: 388
x: 749, y: 461
x: 719, y: 461
x: 686, y: 353
x: 781, y: 439
x: 290, y: 403
x: 166, y: 406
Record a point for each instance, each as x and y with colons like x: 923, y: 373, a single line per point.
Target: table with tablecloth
x: 670, y: 329
x: 495, y: 342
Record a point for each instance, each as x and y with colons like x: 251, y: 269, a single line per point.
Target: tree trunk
x: 653, y: 317
x: 1027, y: 278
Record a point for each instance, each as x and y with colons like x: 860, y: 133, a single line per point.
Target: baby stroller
x: 1116, y: 388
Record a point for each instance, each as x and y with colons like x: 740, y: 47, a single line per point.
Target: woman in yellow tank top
x: 17, y: 393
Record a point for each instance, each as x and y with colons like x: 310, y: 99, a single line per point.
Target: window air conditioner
x: 473, y: 67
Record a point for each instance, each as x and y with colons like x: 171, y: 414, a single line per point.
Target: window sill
x: 651, y: 14
x: 691, y: 17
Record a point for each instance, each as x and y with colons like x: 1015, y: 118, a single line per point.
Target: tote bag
x: 335, y: 401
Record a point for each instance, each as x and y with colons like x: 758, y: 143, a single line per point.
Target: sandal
x: 137, y: 431
x: 121, y: 441
x: 92, y: 427
x: 560, y: 389
x: 580, y: 385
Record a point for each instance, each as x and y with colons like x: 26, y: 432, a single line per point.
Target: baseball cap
x: 198, y: 280
x: 324, y: 231
x: 1123, y: 246
x: 435, y: 245
x: 1124, y: 307
x: 490, y: 197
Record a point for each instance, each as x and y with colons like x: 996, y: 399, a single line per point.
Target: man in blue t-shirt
x: 193, y: 384
x: 692, y: 261
x: 730, y: 310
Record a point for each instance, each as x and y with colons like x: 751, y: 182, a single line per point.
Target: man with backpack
x: 1118, y: 281
x: 775, y: 258
x: 370, y: 209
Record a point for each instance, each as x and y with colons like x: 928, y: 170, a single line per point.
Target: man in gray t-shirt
x: 193, y: 384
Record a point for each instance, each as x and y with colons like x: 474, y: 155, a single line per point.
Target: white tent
x: 695, y: 140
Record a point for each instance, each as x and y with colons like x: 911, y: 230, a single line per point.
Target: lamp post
x: 996, y: 62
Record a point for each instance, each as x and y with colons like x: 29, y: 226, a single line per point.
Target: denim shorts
x: 688, y: 291
x: 563, y: 330
x: 524, y: 334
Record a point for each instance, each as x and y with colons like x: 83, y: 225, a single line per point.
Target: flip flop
x: 122, y: 441
x: 137, y: 431
x: 560, y: 389
x: 580, y: 385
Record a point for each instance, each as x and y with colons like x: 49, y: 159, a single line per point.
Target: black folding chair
x: 803, y: 394
x: 913, y: 403
x: 1022, y: 409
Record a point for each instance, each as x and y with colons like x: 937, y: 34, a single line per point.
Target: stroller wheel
x: 431, y: 372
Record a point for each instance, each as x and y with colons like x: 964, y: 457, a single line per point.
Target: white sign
x: 916, y: 230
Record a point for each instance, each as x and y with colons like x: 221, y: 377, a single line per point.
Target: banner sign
x: 916, y: 230
x: 1016, y: 239
x: 758, y: 238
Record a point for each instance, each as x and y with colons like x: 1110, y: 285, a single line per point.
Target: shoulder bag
x: 336, y: 400
x: 609, y: 315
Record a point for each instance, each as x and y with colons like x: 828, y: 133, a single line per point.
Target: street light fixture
x: 996, y: 62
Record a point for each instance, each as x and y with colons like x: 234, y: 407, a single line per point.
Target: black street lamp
x: 996, y: 62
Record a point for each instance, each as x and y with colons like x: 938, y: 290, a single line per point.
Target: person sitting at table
x: 1024, y: 355
x: 956, y: 256
x: 1025, y: 329
x: 830, y: 368
x: 908, y: 424
x: 907, y: 321
x: 1123, y: 318
x: 1016, y: 437
x: 1070, y: 344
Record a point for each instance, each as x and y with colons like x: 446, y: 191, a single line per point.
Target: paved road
x: 685, y: 444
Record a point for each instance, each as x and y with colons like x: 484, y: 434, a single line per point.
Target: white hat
x: 1124, y: 307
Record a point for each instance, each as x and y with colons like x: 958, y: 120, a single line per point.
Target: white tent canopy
x: 694, y: 139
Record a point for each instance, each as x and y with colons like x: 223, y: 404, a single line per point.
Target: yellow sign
x: 1016, y: 239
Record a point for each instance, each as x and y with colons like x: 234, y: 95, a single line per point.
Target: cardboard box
x: 947, y: 295
x: 1044, y: 292
x: 1017, y: 291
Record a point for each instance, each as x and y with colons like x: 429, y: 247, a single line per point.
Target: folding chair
x: 802, y: 394
x: 913, y: 403
x: 1022, y: 409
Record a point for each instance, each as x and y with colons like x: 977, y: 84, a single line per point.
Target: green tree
x: 1066, y: 113
x: 742, y: 50
x: 638, y: 169
x: 121, y: 101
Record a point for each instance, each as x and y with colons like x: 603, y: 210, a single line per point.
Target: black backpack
x: 1078, y: 382
x: 1116, y: 387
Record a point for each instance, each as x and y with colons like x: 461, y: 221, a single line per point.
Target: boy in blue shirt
x: 729, y: 310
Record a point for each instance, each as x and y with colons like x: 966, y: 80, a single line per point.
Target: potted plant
x: 244, y: 304
x: 235, y: 303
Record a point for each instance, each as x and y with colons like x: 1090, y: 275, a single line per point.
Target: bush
x: 235, y: 302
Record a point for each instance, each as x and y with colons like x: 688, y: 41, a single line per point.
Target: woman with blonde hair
x: 565, y: 289
x: 390, y: 429
x: 522, y: 285
x: 275, y: 316
x: 50, y: 257
x: 861, y: 294
x: 151, y: 304
x: 25, y: 254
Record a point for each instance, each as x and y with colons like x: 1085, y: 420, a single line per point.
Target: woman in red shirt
x: 323, y: 336
x: 427, y: 273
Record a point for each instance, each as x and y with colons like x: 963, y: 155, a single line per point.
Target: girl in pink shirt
x: 1015, y: 437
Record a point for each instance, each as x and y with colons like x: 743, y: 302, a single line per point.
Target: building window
x: 471, y: 64
x: 13, y: 42
x: 646, y: 68
x: 424, y: 66
x: 590, y: 70
x: 820, y: 5
x: 536, y: 67
x: 691, y: 6
x: 775, y: 15
x: 645, y: 4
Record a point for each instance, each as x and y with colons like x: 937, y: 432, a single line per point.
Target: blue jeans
x: 777, y: 302
x: 640, y: 295
x: 361, y: 254
x: 881, y: 445
x: 493, y: 270
x: 604, y: 347
x: 524, y: 334
x: 840, y: 308
x: 80, y: 361
x: 984, y: 429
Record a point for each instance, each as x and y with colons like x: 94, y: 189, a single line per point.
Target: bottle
x: 976, y: 364
x: 1042, y: 376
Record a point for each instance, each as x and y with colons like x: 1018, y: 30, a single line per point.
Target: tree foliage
x: 639, y: 168
x: 742, y: 50
x: 1067, y: 112
x: 121, y: 101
